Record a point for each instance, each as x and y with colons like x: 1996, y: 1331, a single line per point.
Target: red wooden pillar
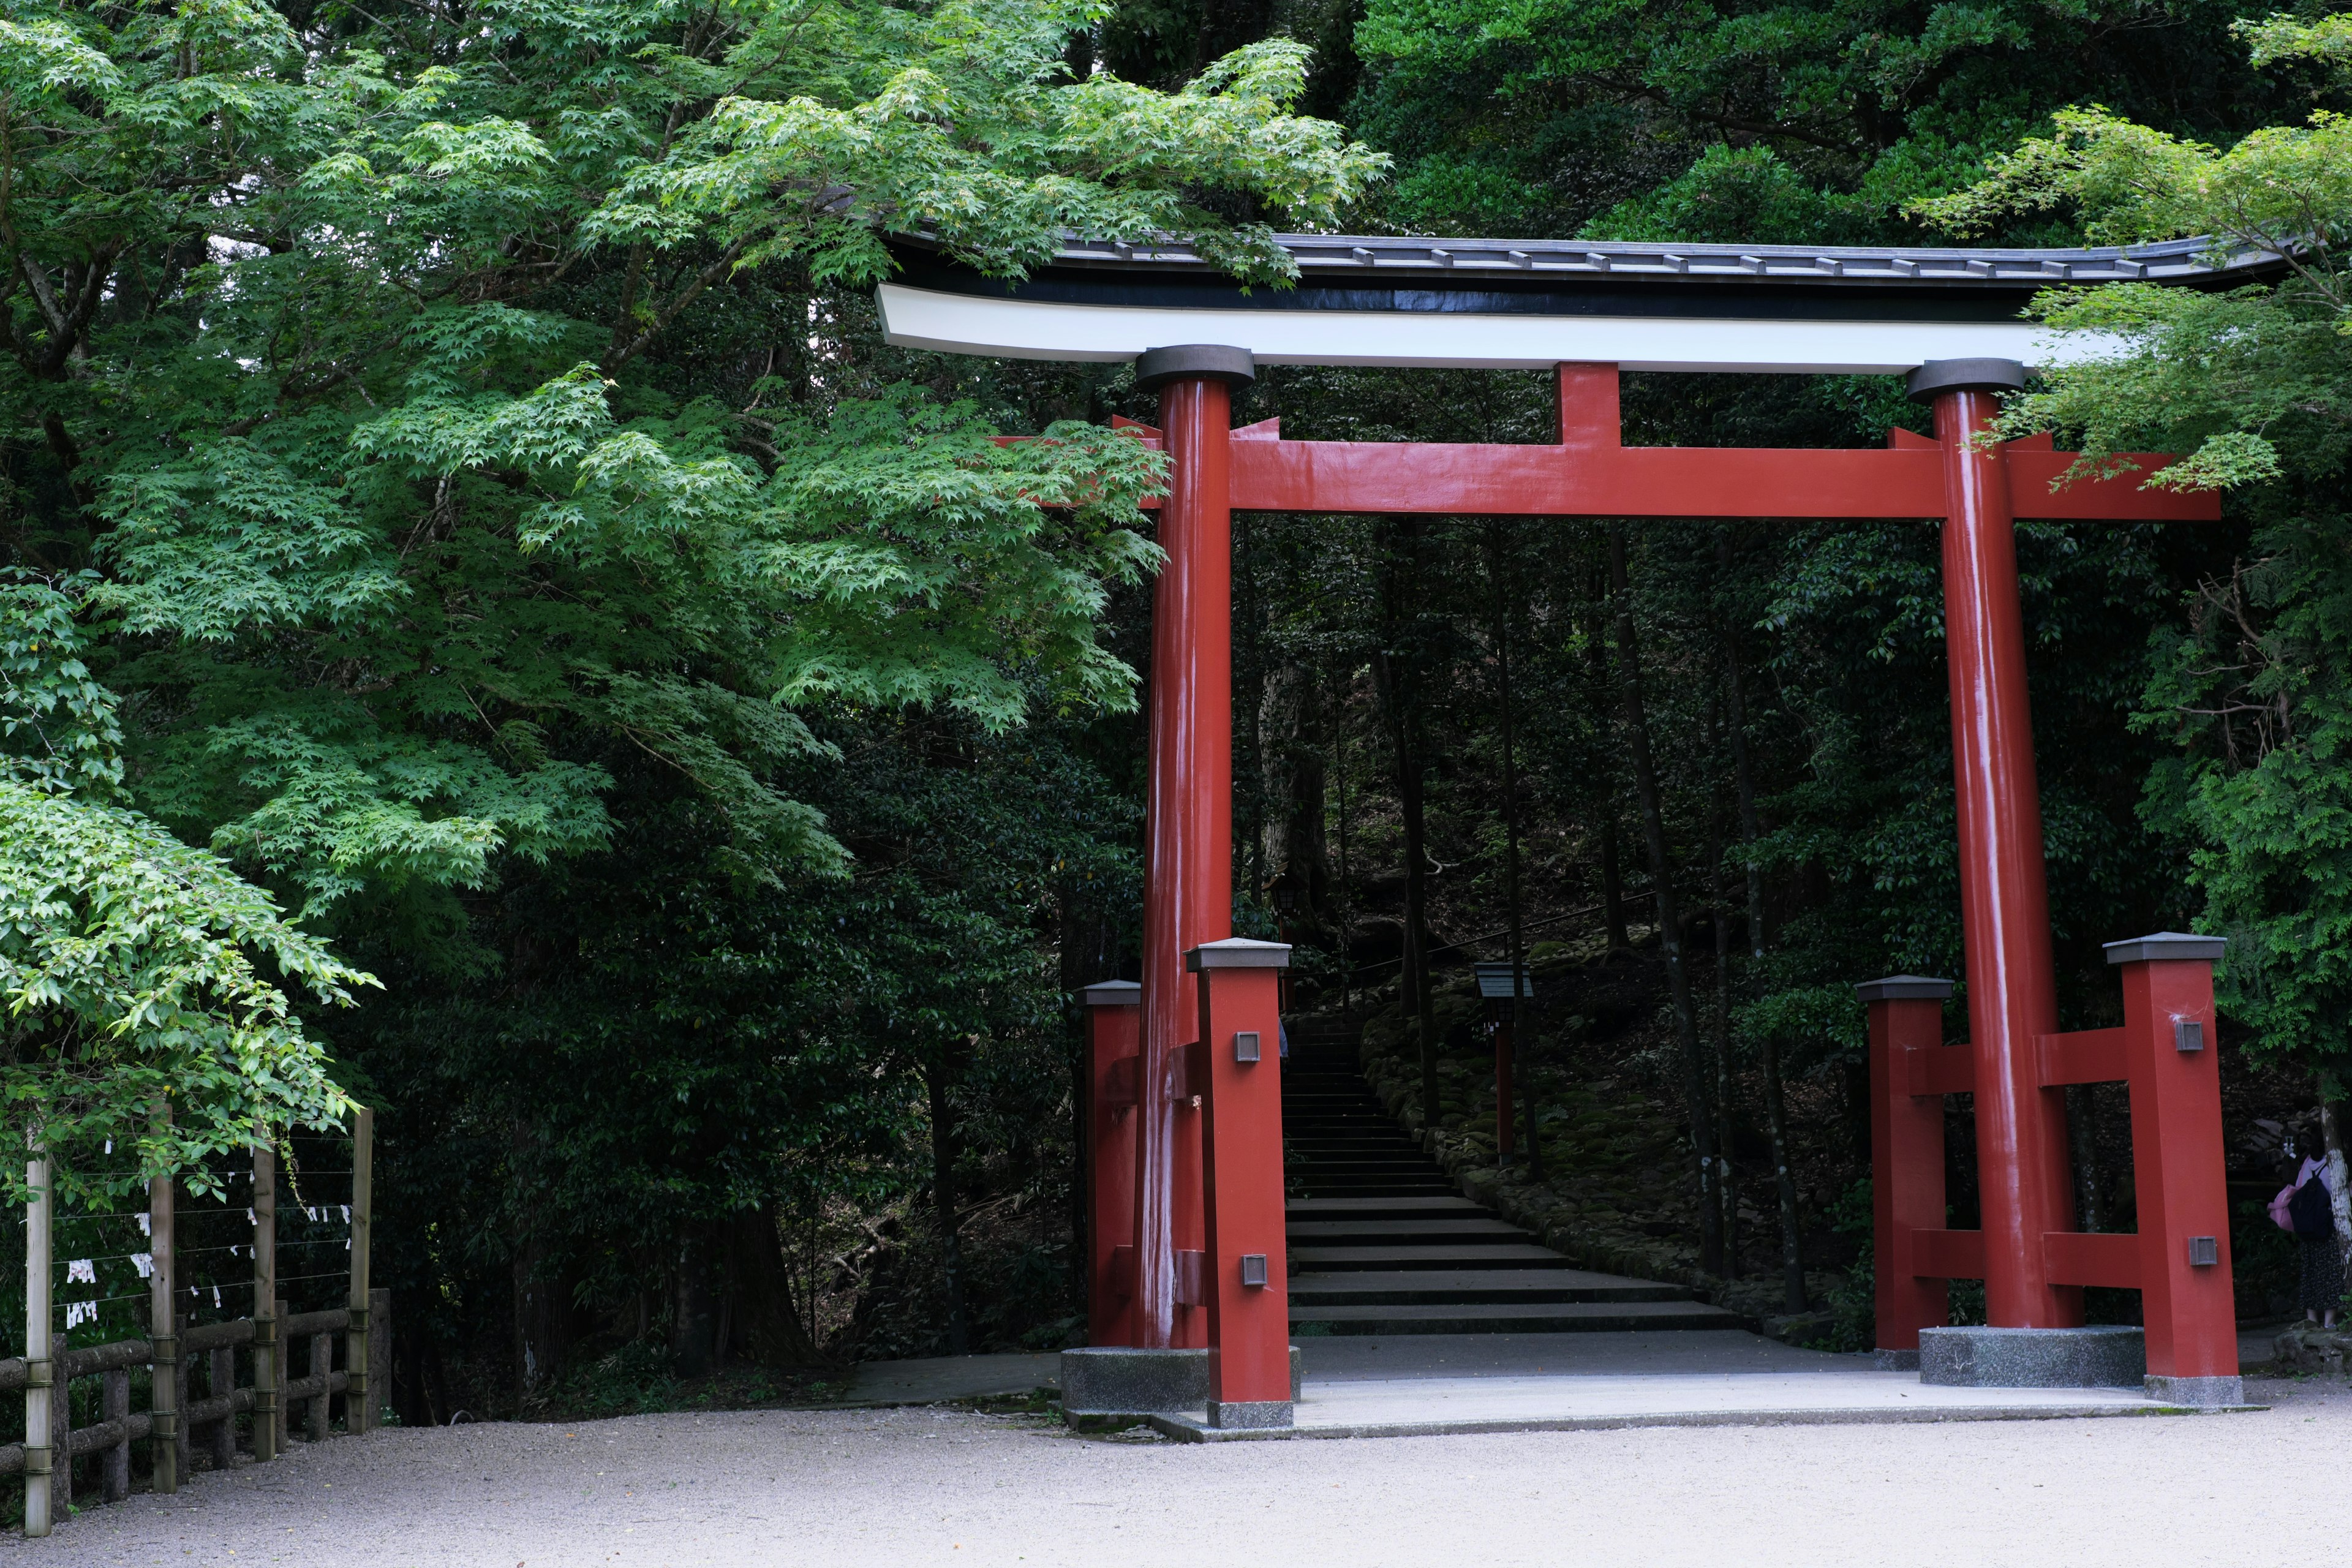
x: 1245, y: 1275
x: 1188, y: 893
x: 1906, y: 1157
x: 2170, y: 1056
x: 2004, y: 902
x: 1111, y: 1017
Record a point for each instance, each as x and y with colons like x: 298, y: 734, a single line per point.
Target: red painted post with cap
x: 1906, y: 1157
x: 1188, y: 814
x: 1111, y: 1017
x: 2005, y: 899
x: 1247, y: 1273
x: 2171, y: 1060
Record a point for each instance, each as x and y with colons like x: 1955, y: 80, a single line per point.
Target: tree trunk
x: 1343, y: 891
x: 1413, y: 996
x: 943, y: 1142
x: 1668, y: 908
x: 1416, y: 916
x: 1726, y: 1182
x: 1521, y: 1077
x: 1399, y: 679
x: 764, y: 1324
x: 1775, y: 1104
x: 2339, y: 1176
x: 694, y: 1328
x: 1603, y: 803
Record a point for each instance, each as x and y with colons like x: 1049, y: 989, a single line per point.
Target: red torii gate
x: 1187, y: 1223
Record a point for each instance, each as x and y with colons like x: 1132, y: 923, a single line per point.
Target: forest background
x: 455, y: 493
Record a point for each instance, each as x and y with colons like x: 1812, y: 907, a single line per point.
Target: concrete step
x: 1462, y: 1254
x: 1534, y: 1318
x: 1425, y: 1287
x: 1383, y: 1208
x: 1435, y: 1230
x: 1359, y: 1184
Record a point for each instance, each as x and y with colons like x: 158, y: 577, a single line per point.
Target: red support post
x: 1188, y: 818
x: 1112, y: 1018
x: 2187, y: 1300
x: 2004, y: 900
x: 1906, y: 1159
x: 1246, y: 1275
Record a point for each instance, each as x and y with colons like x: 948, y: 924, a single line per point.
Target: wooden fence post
x: 39, y: 1453
x: 162, y: 1328
x: 359, y: 1395
x: 265, y: 1301
x: 281, y: 1356
x: 114, y: 1406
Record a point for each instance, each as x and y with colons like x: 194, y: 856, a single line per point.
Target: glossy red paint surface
x: 1906, y: 1189
x: 2177, y: 1162
x: 1664, y: 481
x: 2004, y: 899
x: 1248, y: 1325
x: 1188, y: 837
x: 1111, y: 1163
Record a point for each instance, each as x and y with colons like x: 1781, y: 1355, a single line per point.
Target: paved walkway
x: 916, y: 1488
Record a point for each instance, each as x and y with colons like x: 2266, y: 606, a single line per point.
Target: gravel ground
x: 882, y: 1488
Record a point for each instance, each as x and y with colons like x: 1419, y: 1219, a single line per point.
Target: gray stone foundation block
x: 2101, y: 1357
x: 1258, y: 1414
x: 2204, y: 1392
x: 1896, y: 1360
x: 1120, y: 1380
x: 1101, y: 1381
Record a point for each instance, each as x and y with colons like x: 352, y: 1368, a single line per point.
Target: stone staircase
x: 1381, y: 1244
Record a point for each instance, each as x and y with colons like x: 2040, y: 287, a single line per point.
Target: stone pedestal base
x: 1103, y: 1382
x: 2204, y: 1392
x: 1896, y: 1360
x: 1250, y: 1414
x: 2102, y: 1357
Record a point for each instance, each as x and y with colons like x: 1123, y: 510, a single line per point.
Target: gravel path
x: 883, y: 1487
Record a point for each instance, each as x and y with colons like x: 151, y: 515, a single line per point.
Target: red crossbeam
x: 1669, y: 481
x: 1597, y: 479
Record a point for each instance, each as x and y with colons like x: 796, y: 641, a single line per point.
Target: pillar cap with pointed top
x: 2166, y: 944
x: 1238, y: 952
x: 1904, y: 988
x: 1111, y: 994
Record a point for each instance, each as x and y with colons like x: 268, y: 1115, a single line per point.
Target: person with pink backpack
x: 2305, y: 1206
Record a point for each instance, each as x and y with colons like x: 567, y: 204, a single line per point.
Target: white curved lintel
x: 1025, y: 329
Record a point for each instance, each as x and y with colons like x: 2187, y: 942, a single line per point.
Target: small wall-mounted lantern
x: 2204, y: 1251
x: 1253, y: 1268
x: 2188, y: 1034
x: 1245, y: 1045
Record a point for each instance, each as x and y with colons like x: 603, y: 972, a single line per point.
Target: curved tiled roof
x: 1349, y: 257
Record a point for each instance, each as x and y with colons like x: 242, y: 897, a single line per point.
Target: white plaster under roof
x: 1028, y: 329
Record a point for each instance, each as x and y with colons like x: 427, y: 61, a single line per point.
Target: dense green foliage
x: 478, y: 481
